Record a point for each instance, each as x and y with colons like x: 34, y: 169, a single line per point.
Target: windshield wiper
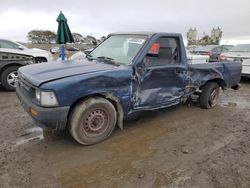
x: 108, y: 60
x: 89, y: 57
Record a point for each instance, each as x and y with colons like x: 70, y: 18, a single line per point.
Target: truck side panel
x: 71, y: 90
x: 228, y: 72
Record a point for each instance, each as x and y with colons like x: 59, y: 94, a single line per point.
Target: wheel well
x: 9, y: 65
x: 44, y: 58
x: 219, y: 81
x: 110, y: 98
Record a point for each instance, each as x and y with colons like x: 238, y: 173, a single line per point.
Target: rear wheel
x: 209, y: 95
x: 9, y: 78
x: 92, y: 121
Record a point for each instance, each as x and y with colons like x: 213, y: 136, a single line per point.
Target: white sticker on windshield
x: 136, y: 41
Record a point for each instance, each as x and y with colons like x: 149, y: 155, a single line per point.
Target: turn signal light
x: 33, y: 112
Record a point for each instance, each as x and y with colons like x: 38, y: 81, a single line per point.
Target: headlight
x: 46, y: 98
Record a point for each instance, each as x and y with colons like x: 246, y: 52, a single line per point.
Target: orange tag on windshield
x: 154, y: 48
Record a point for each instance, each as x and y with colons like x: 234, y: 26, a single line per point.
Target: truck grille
x: 26, y: 88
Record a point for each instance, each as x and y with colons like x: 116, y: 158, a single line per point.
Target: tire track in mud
x: 187, y: 171
x: 112, y: 171
x: 186, y: 147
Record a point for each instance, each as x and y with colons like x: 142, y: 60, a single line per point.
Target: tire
x: 209, y: 95
x: 9, y: 77
x: 92, y: 121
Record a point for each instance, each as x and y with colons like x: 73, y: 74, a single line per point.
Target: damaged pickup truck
x: 127, y: 73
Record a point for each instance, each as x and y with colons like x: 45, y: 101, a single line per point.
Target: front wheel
x: 209, y: 95
x: 92, y: 121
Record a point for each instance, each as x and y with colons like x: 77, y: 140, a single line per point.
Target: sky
x: 101, y: 17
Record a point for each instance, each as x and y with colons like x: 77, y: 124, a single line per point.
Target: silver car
x: 241, y: 52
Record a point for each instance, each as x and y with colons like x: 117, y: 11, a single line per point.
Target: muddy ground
x: 184, y: 146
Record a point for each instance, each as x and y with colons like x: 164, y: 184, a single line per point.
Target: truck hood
x: 38, y: 74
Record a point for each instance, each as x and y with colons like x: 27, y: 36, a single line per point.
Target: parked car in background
x: 246, y: 68
x: 196, y: 59
x: 213, y: 51
x: 8, y: 71
x: 204, y: 50
x: 217, y: 51
x: 70, y: 51
x: 241, y: 52
x: 191, y: 48
x: 127, y: 73
x: 11, y: 47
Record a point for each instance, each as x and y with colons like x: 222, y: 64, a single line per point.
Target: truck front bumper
x: 48, y: 118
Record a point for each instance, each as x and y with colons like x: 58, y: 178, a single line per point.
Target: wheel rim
x: 12, y: 78
x: 214, y: 97
x: 95, y: 122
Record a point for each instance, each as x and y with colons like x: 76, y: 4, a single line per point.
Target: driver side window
x: 163, y: 51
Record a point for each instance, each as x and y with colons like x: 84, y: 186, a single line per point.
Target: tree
x: 91, y: 40
x: 41, y: 36
x: 205, y: 40
x: 191, y: 36
x: 213, y: 39
x: 103, y: 38
x: 78, y: 38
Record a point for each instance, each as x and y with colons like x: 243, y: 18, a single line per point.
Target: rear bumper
x: 48, y: 118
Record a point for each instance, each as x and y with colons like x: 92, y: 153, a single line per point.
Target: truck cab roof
x: 147, y: 33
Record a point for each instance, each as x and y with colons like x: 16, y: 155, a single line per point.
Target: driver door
x: 161, y: 76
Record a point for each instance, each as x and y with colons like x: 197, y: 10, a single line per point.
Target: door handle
x: 178, y: 71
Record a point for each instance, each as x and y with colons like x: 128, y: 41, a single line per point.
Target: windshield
x: 120, y: 48
x: 241, y: 48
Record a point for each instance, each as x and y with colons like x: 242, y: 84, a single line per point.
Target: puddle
x: 35, y: 133
x: 234, y: 101
x: 131, y: 146
x: 236, y: 104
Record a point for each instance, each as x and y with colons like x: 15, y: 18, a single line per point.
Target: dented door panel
x: 160, y: 86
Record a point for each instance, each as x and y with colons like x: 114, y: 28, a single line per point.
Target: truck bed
x: 228, y: 71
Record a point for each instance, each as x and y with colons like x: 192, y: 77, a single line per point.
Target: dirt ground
x: 184, y: 146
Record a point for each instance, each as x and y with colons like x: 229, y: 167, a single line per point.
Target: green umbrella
x: 63, y: 33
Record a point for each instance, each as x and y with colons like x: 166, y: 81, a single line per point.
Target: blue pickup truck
x: 127, y: 73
